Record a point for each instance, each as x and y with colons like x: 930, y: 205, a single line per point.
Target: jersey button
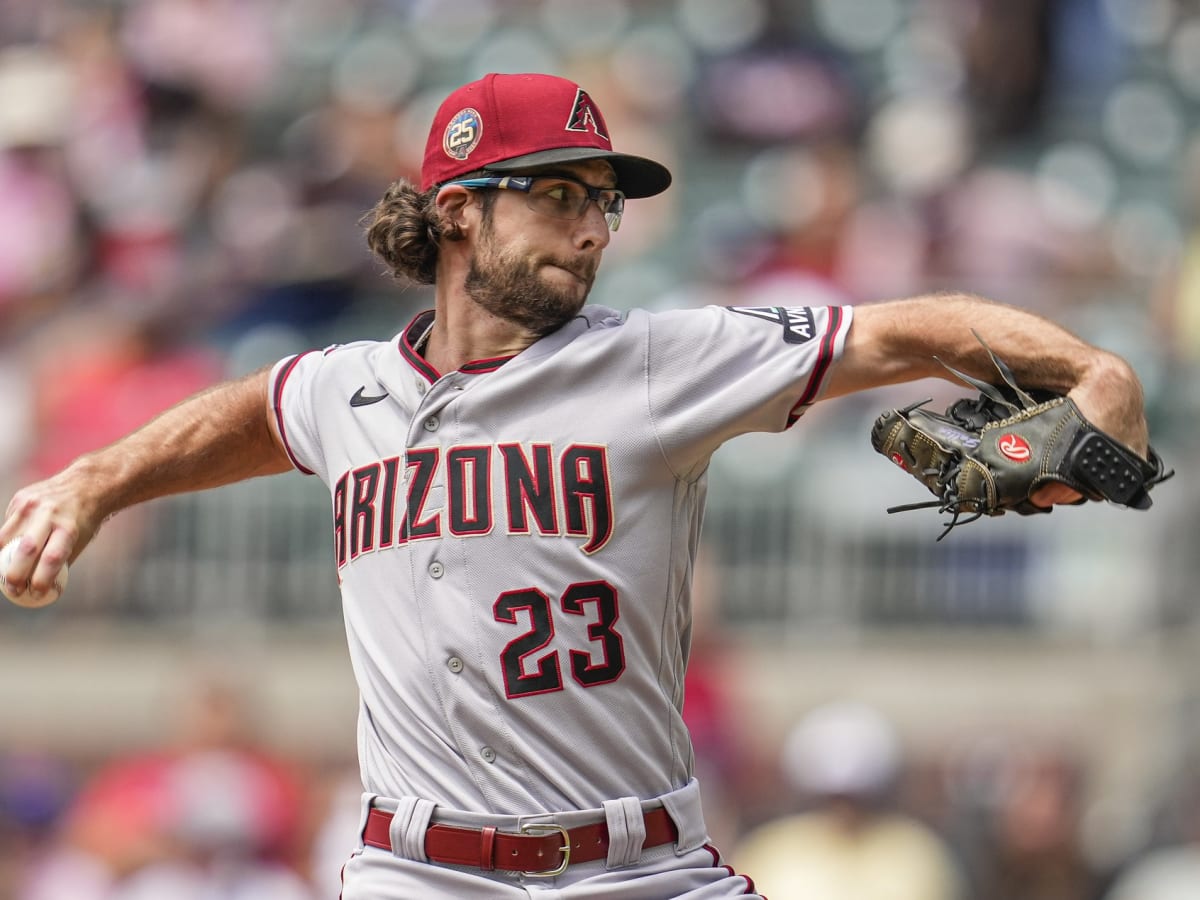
x: 432, y: 423
x: 436, y: 570
x: 488, y: 754
x: 454, y: 664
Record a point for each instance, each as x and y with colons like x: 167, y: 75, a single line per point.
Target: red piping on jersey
x: 479, y: 366
x: 824, y: 360
x: 418, y: 362
x: 277, y: 403
x: 717, y: 864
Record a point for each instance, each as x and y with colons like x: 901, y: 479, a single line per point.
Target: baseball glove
x: 987, y: 455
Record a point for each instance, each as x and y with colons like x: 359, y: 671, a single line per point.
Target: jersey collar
x: 412, y: 334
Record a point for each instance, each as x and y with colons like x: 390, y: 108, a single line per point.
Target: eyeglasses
x: 557, y: 196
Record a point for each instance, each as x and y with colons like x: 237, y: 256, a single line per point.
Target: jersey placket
x: 441, y: 579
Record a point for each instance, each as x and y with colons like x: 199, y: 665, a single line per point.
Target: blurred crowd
x: 841, y: 807
x: 209, y: 812
x: 180, y: 188
x: 999, y: 817
x: 181, y: 180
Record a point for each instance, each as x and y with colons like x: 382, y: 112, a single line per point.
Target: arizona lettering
x: 520, y: 488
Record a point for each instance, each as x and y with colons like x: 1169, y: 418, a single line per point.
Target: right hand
x: 54, y: 523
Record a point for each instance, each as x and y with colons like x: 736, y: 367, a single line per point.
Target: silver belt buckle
x: 565, y: 849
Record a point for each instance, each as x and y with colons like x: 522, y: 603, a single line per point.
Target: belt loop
x: 626, y: 831
x: 487, y: 848
x: 686, y: 812
x: 409, y: 824
x: 365, y: 804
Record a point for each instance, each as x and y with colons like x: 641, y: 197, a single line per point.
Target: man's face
x: 534, y: 270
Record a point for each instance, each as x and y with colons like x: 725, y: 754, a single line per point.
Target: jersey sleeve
x: 719, y: 371
x: 293, y: 381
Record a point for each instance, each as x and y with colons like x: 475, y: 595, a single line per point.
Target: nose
x: 592, y: 229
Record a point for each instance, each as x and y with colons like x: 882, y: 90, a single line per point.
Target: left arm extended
x: 897, y: 341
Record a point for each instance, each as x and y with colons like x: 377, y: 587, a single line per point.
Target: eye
x: 561, y: 192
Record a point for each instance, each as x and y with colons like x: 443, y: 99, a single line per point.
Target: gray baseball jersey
x: 514, y: 540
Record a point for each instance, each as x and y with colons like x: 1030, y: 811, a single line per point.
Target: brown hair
x: 405, y: 230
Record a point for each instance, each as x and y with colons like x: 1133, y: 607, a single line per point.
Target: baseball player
x: 517, y: 484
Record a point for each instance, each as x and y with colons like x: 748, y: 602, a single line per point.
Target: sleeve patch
x: 797, y: 322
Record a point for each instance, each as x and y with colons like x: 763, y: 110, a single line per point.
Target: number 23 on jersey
x: 525, y: 673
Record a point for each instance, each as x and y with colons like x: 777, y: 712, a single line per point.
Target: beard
x: 512, y: 288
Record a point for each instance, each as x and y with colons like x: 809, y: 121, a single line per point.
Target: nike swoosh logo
x: 361, y: 399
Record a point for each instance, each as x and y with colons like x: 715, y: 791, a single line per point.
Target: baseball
x: 22, y: 596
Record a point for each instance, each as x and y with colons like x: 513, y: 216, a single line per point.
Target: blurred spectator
x: 1170, y: 868
x: 336, y: 836
x: 211, y: 808
x: 1177, y: 307
x: 849, y: 840
x: 711, y: 710
x: 1022, y: 830
x: 781, y: 93
x: 35, y: 789
x: 40, y: 231
x: 101, y: 375
x: 808, y: 199
x: 1167, y: 873
x: 1008, y: 53
x: 998, y: 232
x: 229, y: 880
x: 95, y: 374
x: 222, y: 50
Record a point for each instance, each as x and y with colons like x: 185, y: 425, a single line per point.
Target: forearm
x: 217, y: 437
x: 904, y: 340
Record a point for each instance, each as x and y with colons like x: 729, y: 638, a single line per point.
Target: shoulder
x: 344, y: 355
x: 333, y: 367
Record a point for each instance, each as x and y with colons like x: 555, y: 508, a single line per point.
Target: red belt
x: 540, y: 849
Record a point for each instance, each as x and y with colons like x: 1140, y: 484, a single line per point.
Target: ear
x: 457, y: 207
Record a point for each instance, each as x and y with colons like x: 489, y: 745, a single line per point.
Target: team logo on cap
x: 463, y: 133
x: 585, y: 116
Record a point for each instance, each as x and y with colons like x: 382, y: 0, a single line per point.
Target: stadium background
x: 180, y: 182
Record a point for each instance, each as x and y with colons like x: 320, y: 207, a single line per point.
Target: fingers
x: 1053, y: 494
x: 55, y: 553
x: 18, y: 509
x: 33, y: 566
x: 20, y: 564
x: 46, y: 536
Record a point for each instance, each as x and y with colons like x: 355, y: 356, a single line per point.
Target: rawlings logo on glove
x: 988, y: 455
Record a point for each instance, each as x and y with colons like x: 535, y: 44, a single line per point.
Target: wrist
x: 1109, y: 395
x: 103, y: 484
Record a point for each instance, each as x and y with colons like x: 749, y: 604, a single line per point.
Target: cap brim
x: 636, y: 175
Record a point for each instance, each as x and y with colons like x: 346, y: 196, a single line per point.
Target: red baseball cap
x: 504, y: 123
